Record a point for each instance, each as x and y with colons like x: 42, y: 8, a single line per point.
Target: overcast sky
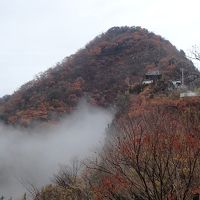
x: 36, y: 34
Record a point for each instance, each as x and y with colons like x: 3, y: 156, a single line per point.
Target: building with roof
x: 153, y: 75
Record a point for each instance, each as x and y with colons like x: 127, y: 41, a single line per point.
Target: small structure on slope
x: 152, y: 76
x: 176, y: 83
x: 189, y: 94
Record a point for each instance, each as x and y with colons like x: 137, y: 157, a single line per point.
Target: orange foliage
x: 98, y: 71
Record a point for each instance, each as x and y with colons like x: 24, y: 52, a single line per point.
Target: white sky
x: 36, y: 34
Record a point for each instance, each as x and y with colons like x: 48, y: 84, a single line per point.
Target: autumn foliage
x: 152, y: 148
x: 98, y: 72
x: 150, y: 154
x: 153, y: 156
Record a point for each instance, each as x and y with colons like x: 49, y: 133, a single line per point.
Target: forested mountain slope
x: 101, y: 72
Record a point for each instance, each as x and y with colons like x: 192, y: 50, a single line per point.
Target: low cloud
x: 33, y: 156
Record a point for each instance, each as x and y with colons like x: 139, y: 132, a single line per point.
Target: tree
x: 195, y: 53
x: 152, y: 157
x: 68, y: 184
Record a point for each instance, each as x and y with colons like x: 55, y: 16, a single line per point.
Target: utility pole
x: 182, y: 77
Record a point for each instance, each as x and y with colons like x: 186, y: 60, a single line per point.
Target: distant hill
x: 101, y: 72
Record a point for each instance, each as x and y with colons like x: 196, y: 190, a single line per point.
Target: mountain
x: 101, y: 72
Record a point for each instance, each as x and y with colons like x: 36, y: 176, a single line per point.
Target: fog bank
x: 34, y: 157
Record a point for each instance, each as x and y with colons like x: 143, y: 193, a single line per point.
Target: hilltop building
x: 176, y: 84
x: 188, y: 94
x: 151, y: 77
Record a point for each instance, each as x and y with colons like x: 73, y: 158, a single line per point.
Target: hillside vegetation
x: 151, y: 151
x: 100, y: 72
